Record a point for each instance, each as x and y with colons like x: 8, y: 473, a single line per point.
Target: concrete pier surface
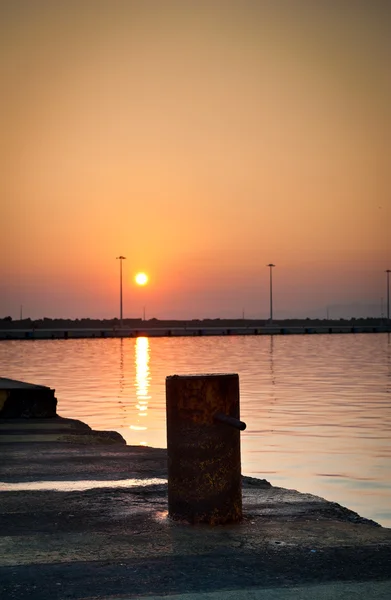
x: 84, y: 516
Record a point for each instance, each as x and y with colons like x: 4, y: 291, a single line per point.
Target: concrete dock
x: 145, y: 329
x: 84, y: 516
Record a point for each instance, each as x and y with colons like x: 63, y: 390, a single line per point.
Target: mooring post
x: 203, y: 446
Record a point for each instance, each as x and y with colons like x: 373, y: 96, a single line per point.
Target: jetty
x: 46, y: 330
x: 85, y: 516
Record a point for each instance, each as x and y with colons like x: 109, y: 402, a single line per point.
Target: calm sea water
x: 317, y: 408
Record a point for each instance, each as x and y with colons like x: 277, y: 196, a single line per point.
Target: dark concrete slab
x: 13, y: 384
x: 111, y: 538
x: 19, y: 399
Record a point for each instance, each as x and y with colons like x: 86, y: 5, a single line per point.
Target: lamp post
x: 388, y: 294
x: 120, y: 258
x: 271, y: 292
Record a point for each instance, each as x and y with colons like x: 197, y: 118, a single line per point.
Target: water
x: 317, y: 407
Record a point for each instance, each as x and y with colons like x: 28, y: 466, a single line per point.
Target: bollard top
x: 203, y: 376
x: 197, y: 398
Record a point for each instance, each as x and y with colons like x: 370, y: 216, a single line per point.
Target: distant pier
x: 181, y: 330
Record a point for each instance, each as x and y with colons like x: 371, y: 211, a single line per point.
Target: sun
x: 141, y: 279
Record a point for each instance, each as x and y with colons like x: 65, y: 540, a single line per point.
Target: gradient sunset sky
x: 202, y: 140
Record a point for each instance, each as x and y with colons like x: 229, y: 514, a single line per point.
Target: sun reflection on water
x: 142, y: 384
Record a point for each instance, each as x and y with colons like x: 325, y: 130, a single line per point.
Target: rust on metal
x: 204, y: 470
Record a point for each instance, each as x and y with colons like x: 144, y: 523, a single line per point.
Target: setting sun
x: 141, y: 278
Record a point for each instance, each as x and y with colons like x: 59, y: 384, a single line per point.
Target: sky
x: 201, y: 140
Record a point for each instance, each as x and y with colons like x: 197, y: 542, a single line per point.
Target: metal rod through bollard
x: 231, y: 421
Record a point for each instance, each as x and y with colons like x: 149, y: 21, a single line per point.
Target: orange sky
x: 201, y: 140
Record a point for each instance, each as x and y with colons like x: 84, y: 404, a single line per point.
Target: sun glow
x: 141, y: 278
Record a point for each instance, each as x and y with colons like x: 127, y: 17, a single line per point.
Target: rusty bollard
x: 203, y: 446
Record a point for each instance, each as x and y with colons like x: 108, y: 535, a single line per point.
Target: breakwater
x: 185, y: 330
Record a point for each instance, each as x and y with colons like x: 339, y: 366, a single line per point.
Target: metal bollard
x: 203, y: 447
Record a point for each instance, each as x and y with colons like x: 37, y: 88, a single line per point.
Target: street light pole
x: 120, y: 258
x: 388, y: 294
x: 271, y: 292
